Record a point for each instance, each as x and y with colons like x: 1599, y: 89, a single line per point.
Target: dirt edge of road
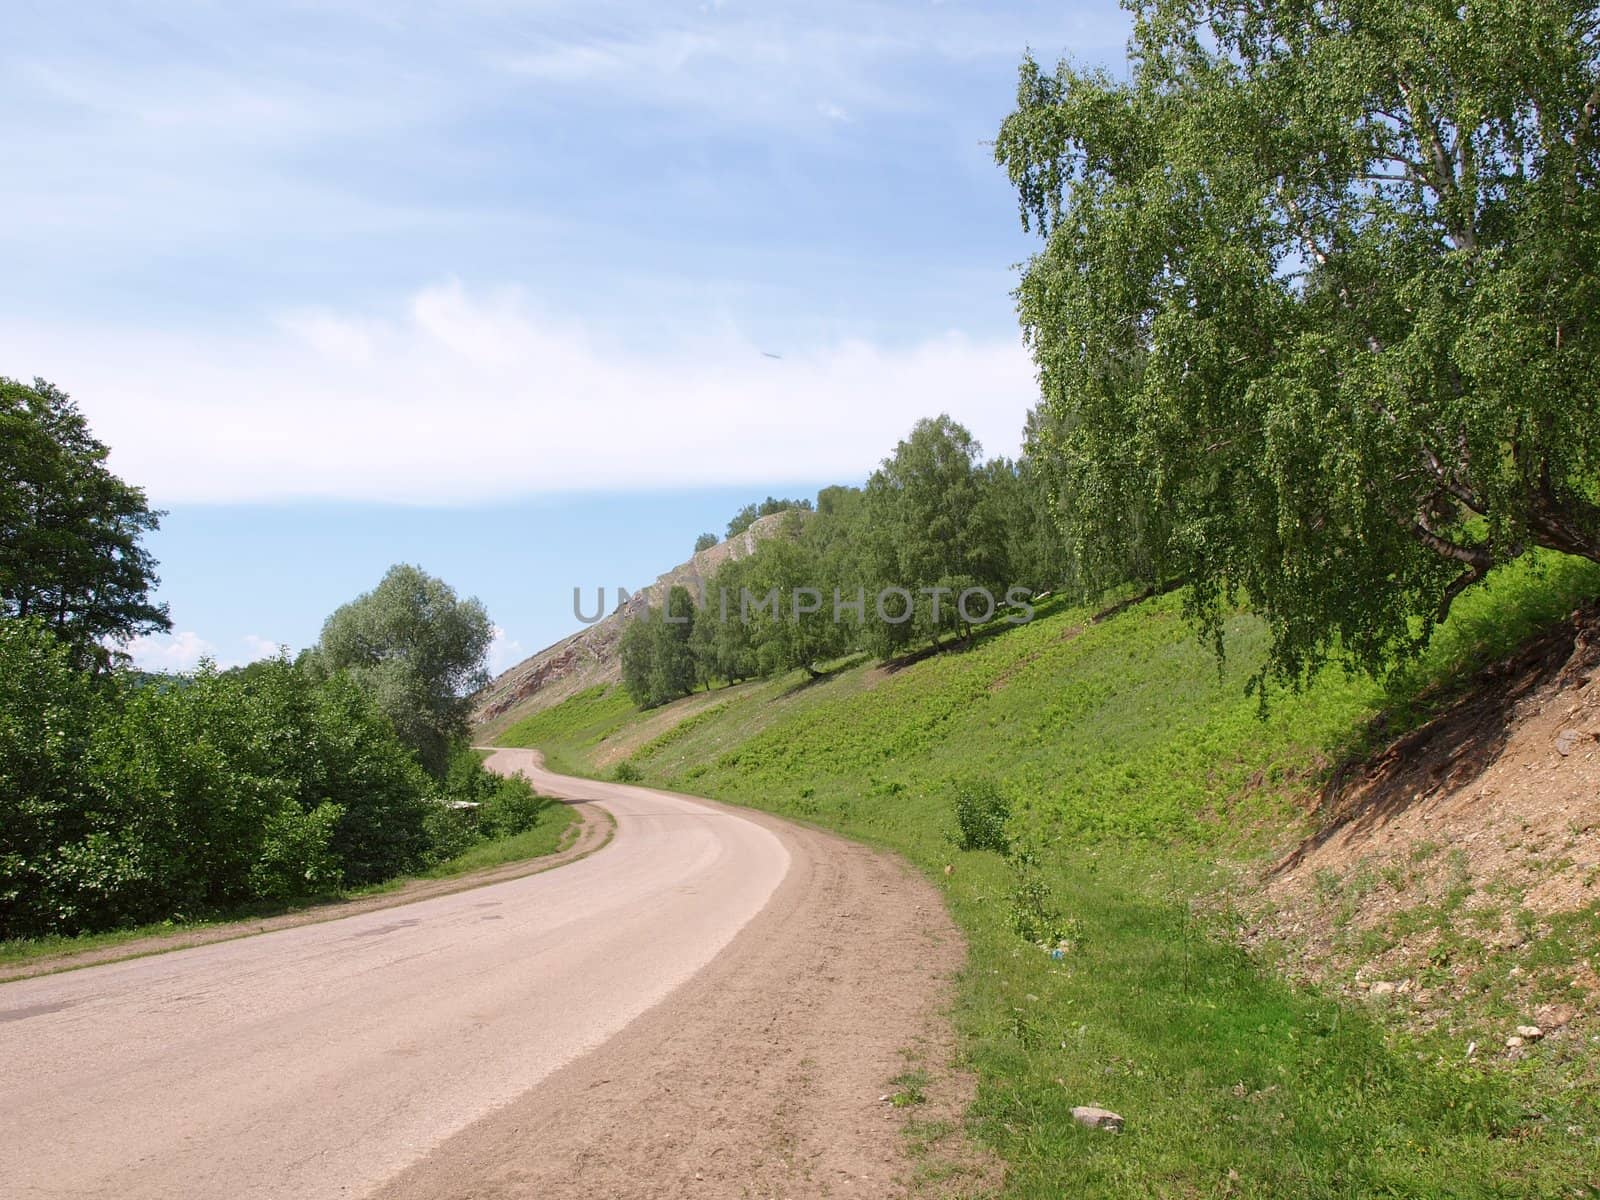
x: 814, y: 1056
x: 593, y: 830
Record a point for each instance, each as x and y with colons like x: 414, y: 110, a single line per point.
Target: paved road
x: 320, y: 1061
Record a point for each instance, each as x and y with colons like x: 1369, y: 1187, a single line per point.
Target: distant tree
x: 657, y: 651
x: 936, y: 536
x: 418, y: 650
x: 636, y: 651
x: 705, y: 541
x: 795, y: 625
x: 724, y: 646
x: 751, y: 513
x: 674, y: 672
x: 1317, y: 317
x: 70, y: 530
x: 1017, y: 504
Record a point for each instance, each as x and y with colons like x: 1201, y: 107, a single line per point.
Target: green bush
x: 626, y: 772
x: 48, y: 712
x: 513, y: 808
x: 125, y: 801
x: 982, y: 812
x: 1033, y: 911
x: 295, y: 857
x: 451, y: 831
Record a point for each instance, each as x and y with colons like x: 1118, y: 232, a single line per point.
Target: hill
x: 1163, y: 936
x: 589, y: 658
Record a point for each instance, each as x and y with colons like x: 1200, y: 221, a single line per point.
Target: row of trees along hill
x: 934, y: 520
x: 128, y: 798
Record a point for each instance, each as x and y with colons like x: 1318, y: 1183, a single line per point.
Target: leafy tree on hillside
x: 657, y: 652
x: 418, y: 650
x: 935, y: 534
x: 1317, y: 317
x: 704, y: 542
x: 751, y: 513
x: 795, y: 625
x: 70, y: 530
x: 723, y: 645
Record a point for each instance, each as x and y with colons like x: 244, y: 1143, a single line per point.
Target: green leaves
x: 124, y: 801
x: 418, y: 650
x: 658, y: 653
x: 1314, y: 315
x: 70, y: 530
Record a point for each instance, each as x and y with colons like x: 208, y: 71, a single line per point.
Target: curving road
x: 318, y: 1061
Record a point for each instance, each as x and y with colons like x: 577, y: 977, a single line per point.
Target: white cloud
x: 256, y: 647
x: 457, y: 397
x: 182, y: 651
x: 504, y: 651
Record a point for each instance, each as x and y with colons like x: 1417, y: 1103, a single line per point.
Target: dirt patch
x: 1456, y: 850
x: 591, y: 831
x: 771, y: 1073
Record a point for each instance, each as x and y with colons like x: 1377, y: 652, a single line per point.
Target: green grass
x: 544, y: 837
x: 567, y: 732
x: 1142, y: 776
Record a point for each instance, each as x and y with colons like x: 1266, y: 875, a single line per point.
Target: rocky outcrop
x: 590, y: 657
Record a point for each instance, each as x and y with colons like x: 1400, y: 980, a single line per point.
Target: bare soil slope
x: 1442, y: 866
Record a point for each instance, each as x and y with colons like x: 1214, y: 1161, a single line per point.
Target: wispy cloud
x: 181, y: 652
x: 465, y: 396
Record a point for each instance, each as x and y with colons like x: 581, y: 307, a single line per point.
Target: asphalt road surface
x: 340, y: 1058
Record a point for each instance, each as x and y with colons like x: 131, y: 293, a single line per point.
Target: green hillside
x: 1145, y: 785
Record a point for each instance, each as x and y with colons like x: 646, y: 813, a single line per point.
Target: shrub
x: 48, y: 711
x: 513, y: 808
x: 295, y: 857
x: 1034, y: 915
x: 982, y: 812
x: 125, y: 800
x: 450, y: 831
x: 626, y: 772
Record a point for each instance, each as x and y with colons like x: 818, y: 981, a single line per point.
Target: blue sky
x: 486, y: 287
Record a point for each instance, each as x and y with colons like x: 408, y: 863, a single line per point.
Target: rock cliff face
x: 589, y: 657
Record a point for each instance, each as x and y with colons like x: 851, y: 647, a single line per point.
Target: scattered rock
x: 1566, y: 740
x: 1513, y: 1043
x: 1529, y: 1033
x: 1556, y: 1016
x: 1383, y: 987
x: 1097, y: 1118
x: 949, y: 868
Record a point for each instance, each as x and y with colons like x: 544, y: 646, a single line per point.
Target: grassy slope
x: 1138, y: 768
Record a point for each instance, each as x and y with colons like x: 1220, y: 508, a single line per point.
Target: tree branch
x: 1474, y: 556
